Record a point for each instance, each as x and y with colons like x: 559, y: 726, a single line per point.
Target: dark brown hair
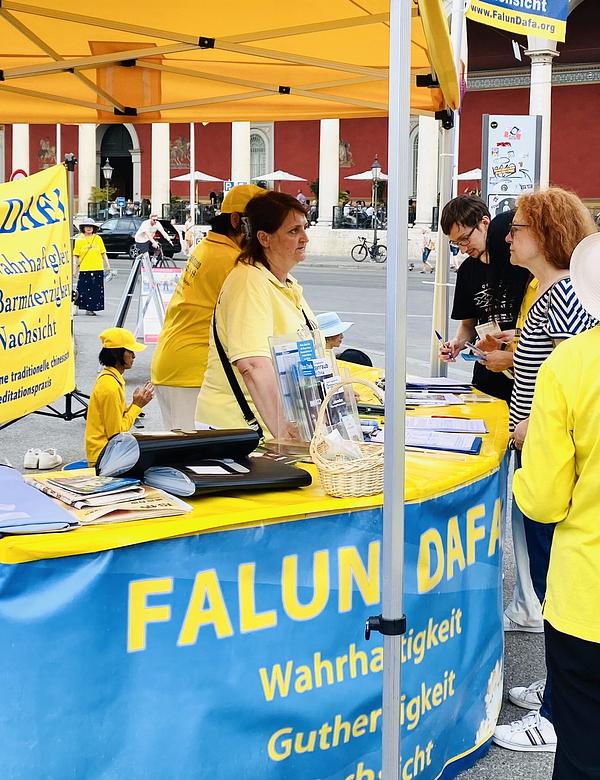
x: 559, y: 220
x: 467, y: 210
x: 266, y: 212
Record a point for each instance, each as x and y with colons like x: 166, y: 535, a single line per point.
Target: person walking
x: 90, y: 264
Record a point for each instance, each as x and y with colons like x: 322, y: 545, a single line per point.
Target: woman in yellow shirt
x: 90, y: 263
x: 107, y: 412
x: 259, y: 299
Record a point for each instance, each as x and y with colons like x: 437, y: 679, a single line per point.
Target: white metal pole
x: 395, y: 374
x: 447, y: 169
x: 192, y: 172
x: 58, y: 145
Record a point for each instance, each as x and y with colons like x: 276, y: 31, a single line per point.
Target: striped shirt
x: 557, y: 314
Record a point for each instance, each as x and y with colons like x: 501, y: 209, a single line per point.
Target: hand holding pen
x: 448, y: 349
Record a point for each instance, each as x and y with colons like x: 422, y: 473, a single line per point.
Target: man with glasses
x: 465, y: 220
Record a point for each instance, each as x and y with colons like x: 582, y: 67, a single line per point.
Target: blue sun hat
x: 330, y: 324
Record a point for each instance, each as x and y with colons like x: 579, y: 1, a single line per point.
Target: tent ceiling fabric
x: 185, y: 62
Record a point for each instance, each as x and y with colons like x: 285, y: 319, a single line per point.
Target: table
x: 229, y: 643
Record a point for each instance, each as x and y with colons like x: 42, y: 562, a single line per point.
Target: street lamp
x: 375, y: 174
x: 107, y: 170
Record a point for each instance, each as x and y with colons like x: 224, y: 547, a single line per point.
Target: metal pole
x: 375, y: 214
x: 447, y: 163
x: 395, y: 375
x: 192, y: 176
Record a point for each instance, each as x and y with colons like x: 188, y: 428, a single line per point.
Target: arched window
x: 414, y: 157
x: 258, y: 155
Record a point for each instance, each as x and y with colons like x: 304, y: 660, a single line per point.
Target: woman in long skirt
x: 90, y: 263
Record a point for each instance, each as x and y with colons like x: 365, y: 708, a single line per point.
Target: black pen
x: 443, y: 343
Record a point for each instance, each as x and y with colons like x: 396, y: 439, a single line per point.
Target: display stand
x: 142, y: 259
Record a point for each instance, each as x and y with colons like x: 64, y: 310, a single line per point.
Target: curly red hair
x: 559, y: 220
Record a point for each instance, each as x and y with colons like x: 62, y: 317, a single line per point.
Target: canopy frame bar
x: 151, y: 32
x: 31, y: 36
x: 55, y: 98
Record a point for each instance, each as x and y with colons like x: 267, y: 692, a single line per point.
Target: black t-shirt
x: 472, y: 302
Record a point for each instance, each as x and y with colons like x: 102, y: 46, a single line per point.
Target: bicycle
x: 375, y: 251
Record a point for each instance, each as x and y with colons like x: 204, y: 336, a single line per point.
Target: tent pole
x: 447, y: 172
x: 395, y: 381
x: 192, y: 174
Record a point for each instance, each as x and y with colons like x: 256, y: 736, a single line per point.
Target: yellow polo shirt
x: 107, y: 413
x: 253, y: 306
x: 558, y: 482
x: 182, y: 350
x: 531, y: 293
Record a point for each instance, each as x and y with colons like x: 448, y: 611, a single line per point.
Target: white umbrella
x: 278, y: 176
x: 367, y: 175
x: 472, y: 175
x: 197, y: 176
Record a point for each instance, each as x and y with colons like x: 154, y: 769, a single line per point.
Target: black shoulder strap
x: 234, y: 384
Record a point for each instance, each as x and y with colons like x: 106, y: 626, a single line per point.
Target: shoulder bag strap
x: 234, y: 384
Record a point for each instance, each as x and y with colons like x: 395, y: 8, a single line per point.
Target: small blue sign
x: 228, y: 185
x: 120, y: 201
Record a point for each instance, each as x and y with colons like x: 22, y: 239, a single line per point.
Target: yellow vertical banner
x: 37, y: 364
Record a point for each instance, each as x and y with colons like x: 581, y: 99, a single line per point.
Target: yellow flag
x: 37, y: 364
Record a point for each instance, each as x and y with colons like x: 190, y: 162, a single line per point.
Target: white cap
x: 330, y: 324
x: 585, y: 273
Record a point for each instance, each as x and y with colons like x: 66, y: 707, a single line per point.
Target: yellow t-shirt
x: 89, y: 250
x: 531, y: 293
x: 182, y: 351
x: 559, y: 481
x: 107, y: 413
x: 253, y: 306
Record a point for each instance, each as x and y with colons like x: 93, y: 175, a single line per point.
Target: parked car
x: 118, y: 234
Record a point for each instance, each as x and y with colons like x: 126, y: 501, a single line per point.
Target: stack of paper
x: 448, y: 424
x: 435, y: 440
x: 91, y: 491
x: 439, y: 384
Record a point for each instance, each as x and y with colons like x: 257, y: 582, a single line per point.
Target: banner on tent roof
x: 539, y: 18
x: 36, y: 347
x: 241, y: 653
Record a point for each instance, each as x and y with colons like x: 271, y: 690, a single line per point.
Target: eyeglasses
x: 464, y: 240
x: 514, y: 228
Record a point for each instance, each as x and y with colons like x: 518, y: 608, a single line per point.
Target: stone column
x: 542, y: 52
x: 329, y: 170
x: 240, y: 151
x: 160, y: 187
x: 87, y: 171
x: 427, y: 170
x: 20, y: 147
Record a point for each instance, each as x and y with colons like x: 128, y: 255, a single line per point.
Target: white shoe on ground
x: 31, y: 459
x: 532, y: 733
x: 529, y: 698
x: 49, y: 459
x: 510, y: 625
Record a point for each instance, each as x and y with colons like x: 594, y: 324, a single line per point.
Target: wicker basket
x: 341, y: 477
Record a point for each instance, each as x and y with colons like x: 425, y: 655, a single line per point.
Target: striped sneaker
x: 529, y: 698
x: 532, y: 733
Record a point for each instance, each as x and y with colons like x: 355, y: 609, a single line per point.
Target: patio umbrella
x: 197, y: 176
x: 367, y: 176
x: 278, y: 176
x: 473, y: 175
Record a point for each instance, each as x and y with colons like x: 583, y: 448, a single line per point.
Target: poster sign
x: 166, y: 280
x: 241, y: 653
x: 539, y: 18
x: 36, y: 345
x: 510, y: 159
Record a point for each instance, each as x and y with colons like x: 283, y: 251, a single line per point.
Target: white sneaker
x: 529, y: 698
x: 510, y: 625
x: 31, y: 459
x: 49, y: 459
x: 532, y: 733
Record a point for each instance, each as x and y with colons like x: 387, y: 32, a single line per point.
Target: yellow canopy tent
x: 255, y: 61
x: 210, y: 62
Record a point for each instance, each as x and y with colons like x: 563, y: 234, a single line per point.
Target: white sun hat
x: 330, y: 324
x: 585, y: 273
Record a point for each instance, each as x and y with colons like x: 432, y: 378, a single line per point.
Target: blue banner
x: 540, y: 18
x: 241, y: 654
